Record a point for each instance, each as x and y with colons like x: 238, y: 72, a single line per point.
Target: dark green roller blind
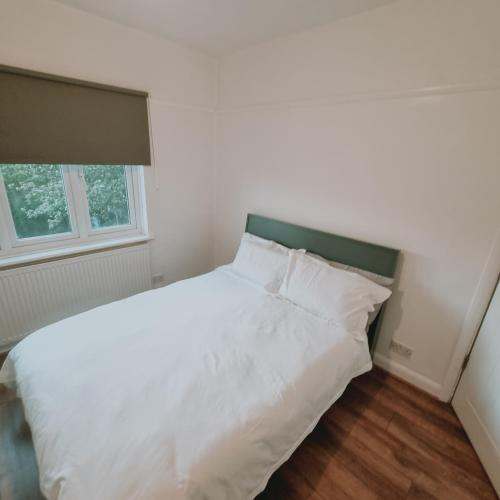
x: 55, y: 120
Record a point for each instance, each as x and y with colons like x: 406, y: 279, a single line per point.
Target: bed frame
x: 374, y: 258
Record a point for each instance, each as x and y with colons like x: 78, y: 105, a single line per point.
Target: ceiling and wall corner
x: 222, y: 26
x: 383, y: 127
x: 182, y: 83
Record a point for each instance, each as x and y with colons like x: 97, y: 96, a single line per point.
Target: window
x: 107, y: 195
x: 37, y: 200
x: 47, y: 206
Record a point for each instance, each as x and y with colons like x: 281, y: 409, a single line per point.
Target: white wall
x: 47, y: 36
x: 383, y: 127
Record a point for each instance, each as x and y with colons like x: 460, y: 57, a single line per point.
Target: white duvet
x: 199, y: 390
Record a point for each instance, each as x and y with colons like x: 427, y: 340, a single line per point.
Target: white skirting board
x: 35, y: 296
x: 408, y: 375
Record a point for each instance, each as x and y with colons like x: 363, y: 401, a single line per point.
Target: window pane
x: 37, y: 199
x: 107, y: 196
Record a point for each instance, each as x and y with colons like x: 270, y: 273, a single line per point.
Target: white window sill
x: 70, y: 251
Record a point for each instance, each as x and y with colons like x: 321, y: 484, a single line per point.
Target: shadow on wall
x: 394, y: 311
x: 428, y: 320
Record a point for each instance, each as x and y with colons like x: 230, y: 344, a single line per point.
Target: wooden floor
x: 382, y: 440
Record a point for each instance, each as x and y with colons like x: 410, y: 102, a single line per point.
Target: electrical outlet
x: 157, y: 280
x: 400, y: 349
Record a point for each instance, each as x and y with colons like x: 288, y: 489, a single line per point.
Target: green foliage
x: 37, y: 199
x: 107, y: 196
x: 38, y: 203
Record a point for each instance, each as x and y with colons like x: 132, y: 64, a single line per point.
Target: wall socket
x: 400, y: 349
x: 157, y: 280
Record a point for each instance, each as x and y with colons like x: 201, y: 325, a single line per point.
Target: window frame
x: 14, y: 242
x: 82, y: 232
x: 130, y: 202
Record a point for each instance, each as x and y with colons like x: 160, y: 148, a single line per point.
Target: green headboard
x: 378, y: 259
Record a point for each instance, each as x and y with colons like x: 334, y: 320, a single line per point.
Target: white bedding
x: 199, y: 390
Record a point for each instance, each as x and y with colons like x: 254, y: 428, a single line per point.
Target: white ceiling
x: 222, y: 26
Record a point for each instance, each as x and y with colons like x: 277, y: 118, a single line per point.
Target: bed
x: 198, y: 390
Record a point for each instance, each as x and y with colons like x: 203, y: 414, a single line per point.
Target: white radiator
x: 35, y: 296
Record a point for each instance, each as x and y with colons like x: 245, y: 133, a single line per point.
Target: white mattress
x: 199, y: 390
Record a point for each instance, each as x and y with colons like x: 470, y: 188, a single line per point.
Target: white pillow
x: 339, y: 296
x: 262, y: 261
x: 376, y: 278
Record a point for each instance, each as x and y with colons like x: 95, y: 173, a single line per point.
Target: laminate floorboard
x: 383, y: 439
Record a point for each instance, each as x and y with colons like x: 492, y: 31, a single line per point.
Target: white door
x: 477, y: 399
